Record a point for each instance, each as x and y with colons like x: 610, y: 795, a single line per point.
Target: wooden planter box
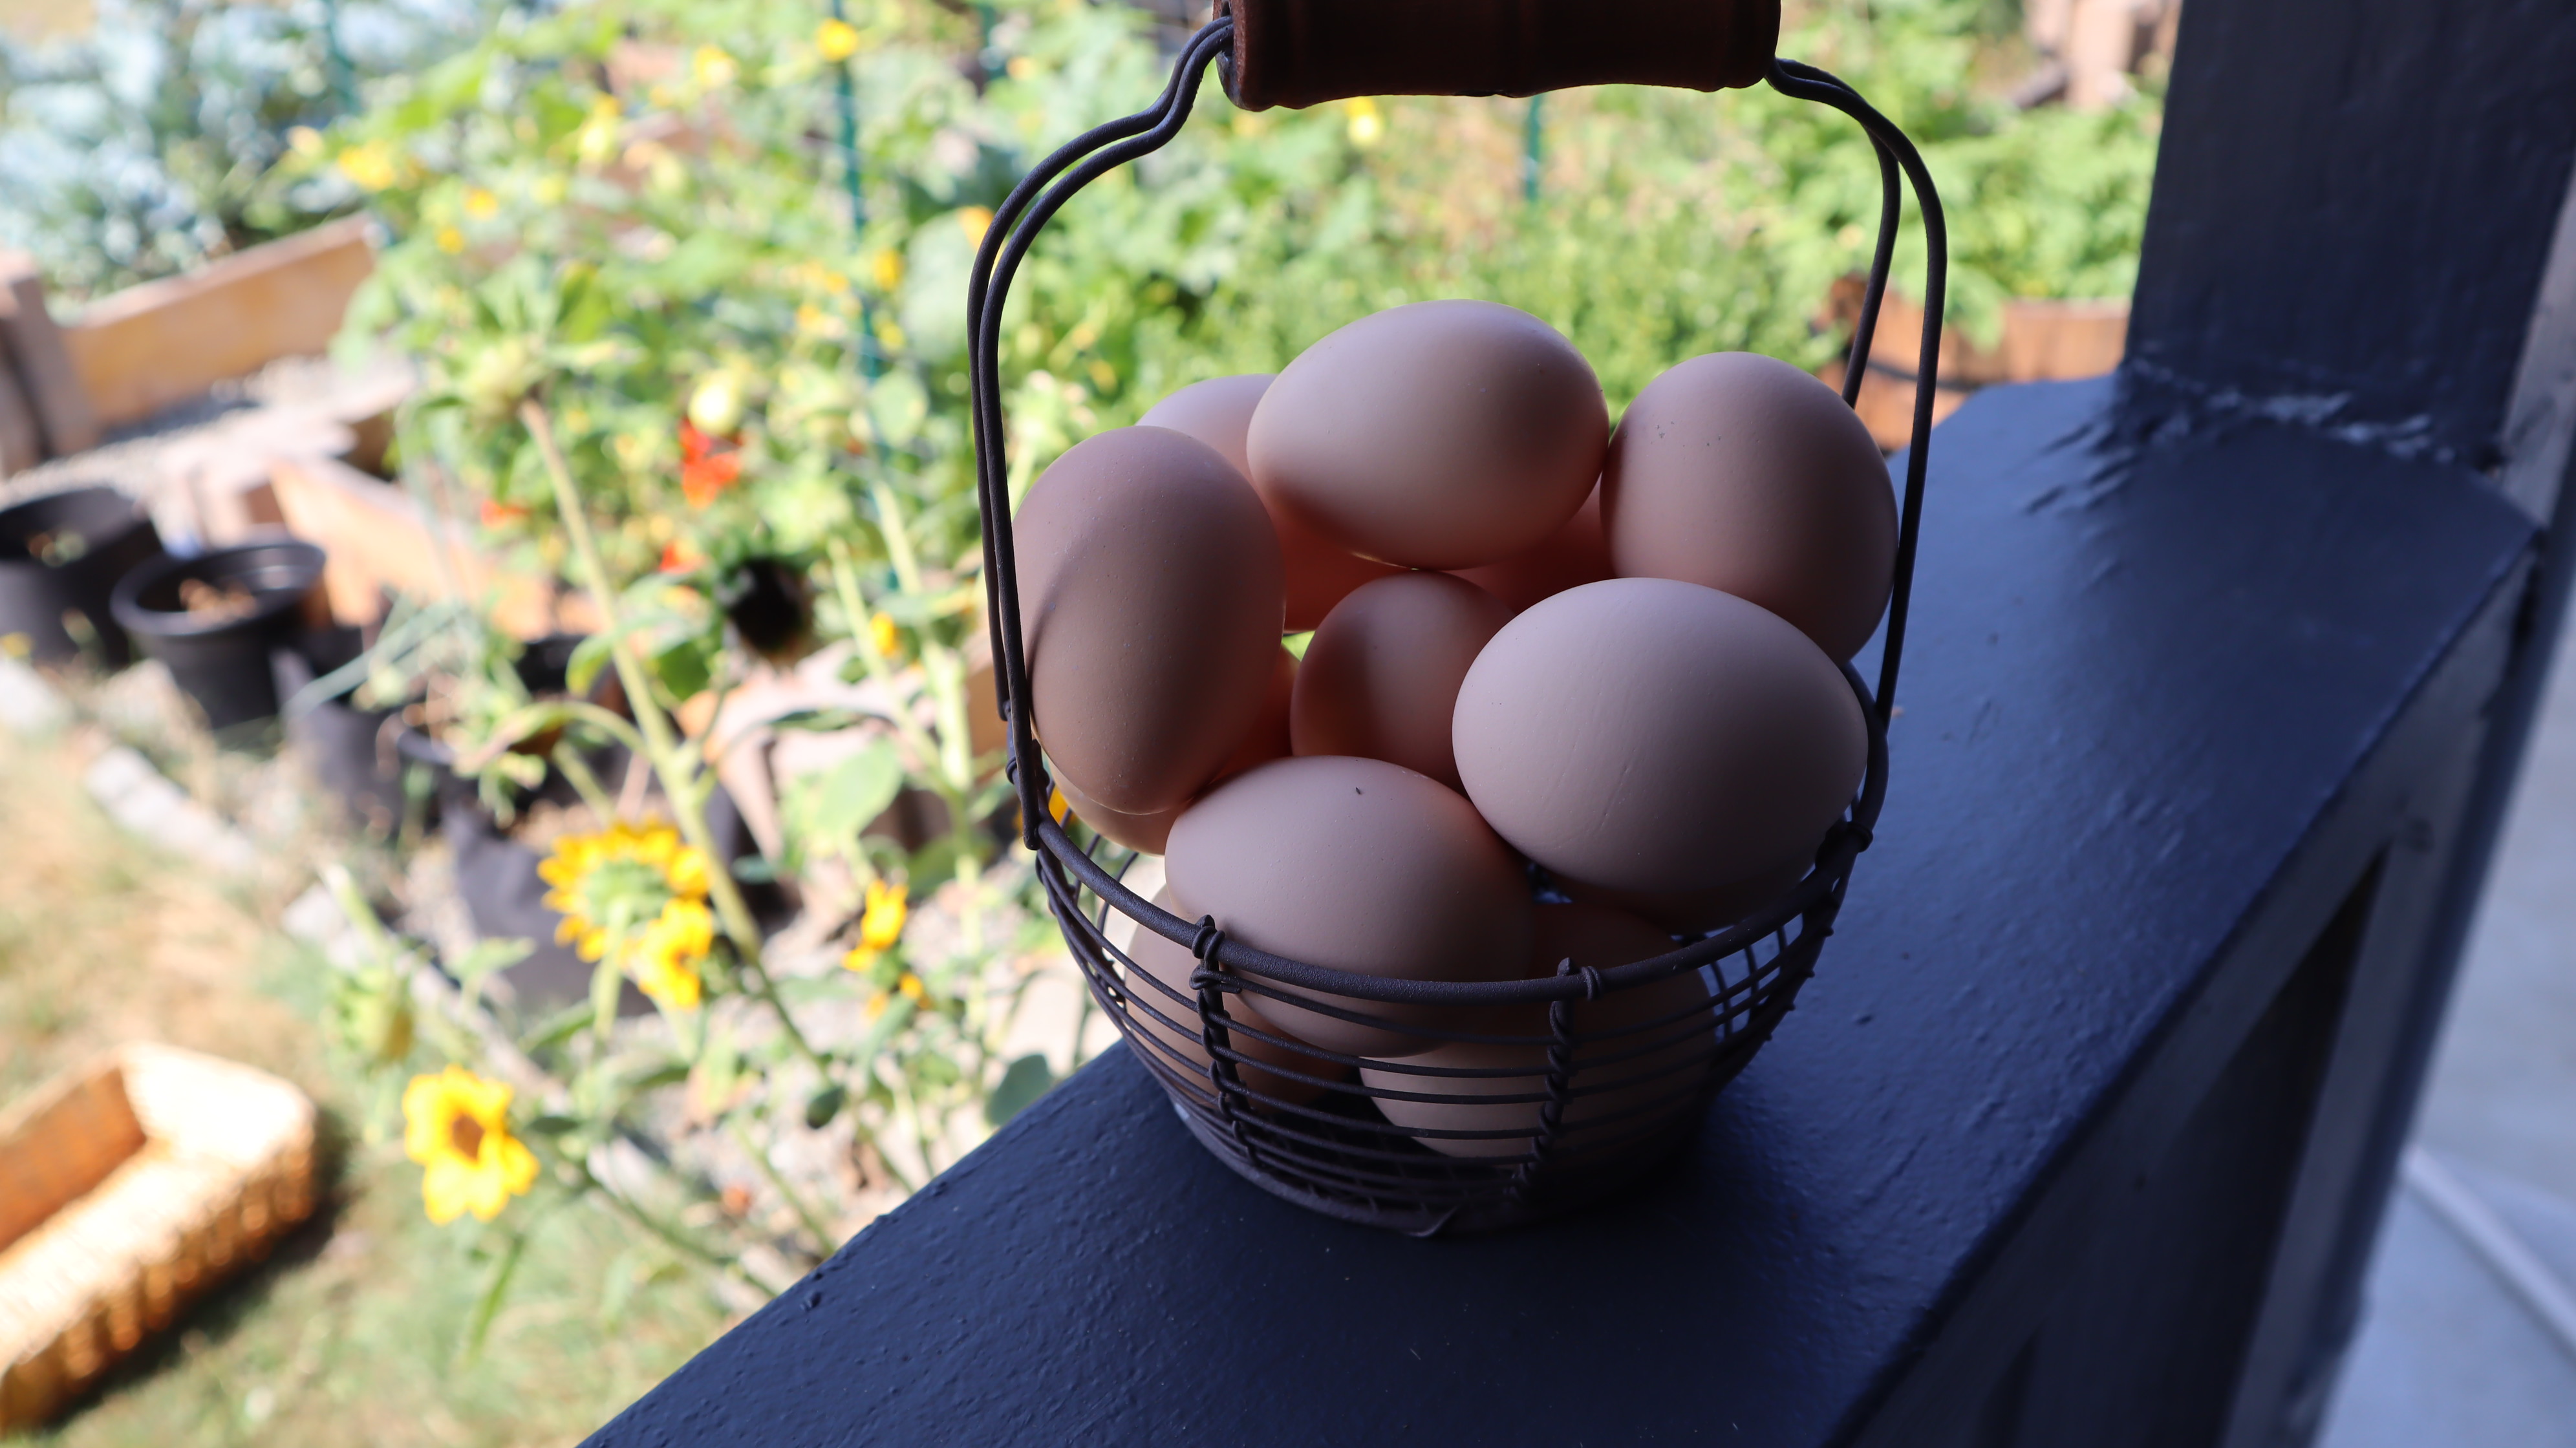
x: 2042, y: 341
x: 127, y: 1189
x: 379, y: 538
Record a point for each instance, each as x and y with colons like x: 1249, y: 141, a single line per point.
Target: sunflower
x: 664, y: 958
x: 457, y: 1126
x: 635, y: 890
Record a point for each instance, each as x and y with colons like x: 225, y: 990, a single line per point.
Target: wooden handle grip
x: 1302, y: 52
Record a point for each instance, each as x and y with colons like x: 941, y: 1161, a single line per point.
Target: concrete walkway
x: 2469, y: 1335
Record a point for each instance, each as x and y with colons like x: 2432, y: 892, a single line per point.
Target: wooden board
x: 143, y: 348
x: 40, y: 354
x: 378, y: 539
x: 22, y: 446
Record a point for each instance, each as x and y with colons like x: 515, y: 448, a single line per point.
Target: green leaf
x: 685, y: 668
x: 849, y: 797
x: 1025, y: 1081
x: 823, y: 1105
x: 588, y: 657
x: 486, y: 958
x: 489, y: 1306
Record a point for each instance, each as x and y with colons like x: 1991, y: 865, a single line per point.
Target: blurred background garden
x: 625, y: 868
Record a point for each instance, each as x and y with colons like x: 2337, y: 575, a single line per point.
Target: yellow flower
x: 550, y: 190
x: 813, y: 321
x: 1367, y: 123
x: 304, y: 141
x: 1057, y: 804
x: 370, y: 166
x: 450, y: 240
x: 886, y: 269
x: 665, y: 960
x: 632, y: 873
x: 880, y: 924
x: 596, y: 142
x: 882, y: 636
x: 480, y: 204
x: 838, y: 40
x: 910, y: 987
x: 711, y: 68
x: 456, y: 1125
x: 815, y: 274
x: 974, y: 220
x: 1020, y: 68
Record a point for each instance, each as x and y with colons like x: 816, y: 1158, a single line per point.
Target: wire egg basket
x: 1575, y: 1100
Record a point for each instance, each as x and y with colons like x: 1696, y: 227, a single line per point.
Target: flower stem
x: 662, y: 745
x: 796, y: 1202
x: 671, y: 1236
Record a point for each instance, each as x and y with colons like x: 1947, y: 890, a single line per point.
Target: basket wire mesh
x: 1612, y: 1101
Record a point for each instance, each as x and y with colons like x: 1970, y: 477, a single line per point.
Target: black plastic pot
x: 770, y: 606
x: 348, y: 750
x: 221, y: 659
x: 63, y: 554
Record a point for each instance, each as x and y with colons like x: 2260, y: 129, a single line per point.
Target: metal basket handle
x: 1049, y: 185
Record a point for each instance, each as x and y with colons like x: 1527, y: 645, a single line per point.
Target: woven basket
x: 128, y: 1188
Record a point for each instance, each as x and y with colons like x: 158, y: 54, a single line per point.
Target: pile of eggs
x: 1616, y: 654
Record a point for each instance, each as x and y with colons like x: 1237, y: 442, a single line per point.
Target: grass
x: 358, y: 1329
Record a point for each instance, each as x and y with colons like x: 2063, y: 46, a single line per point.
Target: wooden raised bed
x: 141, y: 349
x: 127, y: 1189
x: 379, y: 538
x: 2042, y: 341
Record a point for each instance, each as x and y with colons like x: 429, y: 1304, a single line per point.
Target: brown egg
x: 1265, y: 741
x: 1146, y: 832
x: 1635, y: 1069
x: 1381, y: 677
x: 1150, y: 597
x: 1572, y: 556
x: 1362, y: 866
x: 1649, y: 735
x: 1268, y: 738
x: 1697, y: 912
x: 1321, y: 573
x: 1171, y: 966
x: 1438, y: 435
x: 1740, y: 472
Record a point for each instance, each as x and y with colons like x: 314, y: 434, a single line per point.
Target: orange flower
x: 703, y: 481
x: 708, y: 465
x: 679, y: 557
x: 496, y: 513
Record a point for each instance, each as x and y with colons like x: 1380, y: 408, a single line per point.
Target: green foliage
x: 161, y: 138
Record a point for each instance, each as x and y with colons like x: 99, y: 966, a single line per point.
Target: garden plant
x: 686, y: 282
